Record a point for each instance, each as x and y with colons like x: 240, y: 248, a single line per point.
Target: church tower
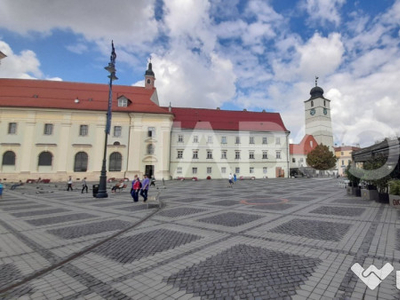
x: 318, y: 117
x: 149, y: 77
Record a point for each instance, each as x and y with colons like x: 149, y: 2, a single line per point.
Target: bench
x: 154, y: 201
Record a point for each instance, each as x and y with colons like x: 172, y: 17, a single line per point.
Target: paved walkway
x: 262, y: 239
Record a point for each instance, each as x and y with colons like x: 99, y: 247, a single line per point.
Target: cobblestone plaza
x: 261, y: 239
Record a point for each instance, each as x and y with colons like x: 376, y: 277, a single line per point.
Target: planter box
x: 349, y: 190
x: 394, y: 200
x: 356, y: 191
x: 383, y: 198
x: 369, y: 194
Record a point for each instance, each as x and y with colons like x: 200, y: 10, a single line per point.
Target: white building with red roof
x: 214, y: 143
x: 55, y: 129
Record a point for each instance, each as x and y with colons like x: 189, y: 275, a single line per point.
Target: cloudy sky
x: 232, y: 54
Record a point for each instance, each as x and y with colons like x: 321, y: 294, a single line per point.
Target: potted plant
x: 378, y: 173
x: 394, y: 193
x: 354, y: 176
x: 369, y: 191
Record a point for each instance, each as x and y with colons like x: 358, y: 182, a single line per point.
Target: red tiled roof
x: 30, y: 93
x: 305, y: 145
x: 199, y: 118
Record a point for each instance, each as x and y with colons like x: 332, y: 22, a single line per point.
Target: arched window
x: 150, y: 149
x: 81, y: 162
x: 115, y: 162
x: 9, y: 158
x: 45, y: 159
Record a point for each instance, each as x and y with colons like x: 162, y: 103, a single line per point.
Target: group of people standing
x: 140, y: 188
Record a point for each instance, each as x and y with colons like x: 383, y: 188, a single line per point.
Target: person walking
x: 145, y: 187
x: 69, y: 184
x: 84, y: 185
x: 153, y: 181
x: 234, y: 178
x: 230, y: 180
x: 1, y: 190
x: 136, y: 185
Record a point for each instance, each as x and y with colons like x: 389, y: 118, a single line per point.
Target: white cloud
x: 324, y: 10
x: 23, y: 65
x: 94, y: 19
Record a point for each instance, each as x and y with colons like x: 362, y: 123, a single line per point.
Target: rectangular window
x: 265, y: 170
x: 237, y: 170
x: 209, y: 170
x: 265, y: 155
x: 180, y: 138
x: 278, y: 140
x: 48, y: 129
x: 223, y: 154
x: 342, y: 162
x: 223, y: 140
x: 209, y: 154
x: 223, y: 170
x: 12, y: 128
x: 251, y: 170
x: 179, y: 170
x: 265, y: 140
x: 179, y: 154
x: 195, y: 139
x: 83, y: 130
x: 237, y: 154
x: 194, y: 170
x: 251, y: 140
x: 237, y: 140
x: 209, y: 139
x: 251, y: 155
x: 278, y: 154
x: 341, y: 153
x: 195, y: 154
x: 122, y: 102
x: 117, y: 131
x: 293, y: 160
x: 301, y: 160
x: 151, y: 132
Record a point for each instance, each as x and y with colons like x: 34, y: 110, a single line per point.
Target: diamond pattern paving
x: 318, y: 230
x: 40, y: 212
x: 8, y: 273
x: 88, y: 229
x: 129, y: 249
x: 230, y: 219
x: 25, y: 207
x: 60, y: 219
x: 182, y: 211
x: 245, y: 272
x: 339, y: 211
x: 224, y: 203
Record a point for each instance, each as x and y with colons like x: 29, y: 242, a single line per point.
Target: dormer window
x: 122, y: 101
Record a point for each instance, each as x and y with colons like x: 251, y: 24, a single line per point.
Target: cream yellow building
x: 57, y: 129
x: 343, y: 153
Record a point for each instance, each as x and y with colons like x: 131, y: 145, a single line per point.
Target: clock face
x: 312, y: 111
x: 325, y: 111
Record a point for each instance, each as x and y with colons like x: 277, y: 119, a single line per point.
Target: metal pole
x: 102, y: 192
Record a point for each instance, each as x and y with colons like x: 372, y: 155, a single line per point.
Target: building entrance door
x: 149, y: 170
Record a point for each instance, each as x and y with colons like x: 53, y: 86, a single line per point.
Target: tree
x: 321, y: 158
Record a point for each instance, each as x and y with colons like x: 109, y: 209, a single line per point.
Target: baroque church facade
x: 53, y: 130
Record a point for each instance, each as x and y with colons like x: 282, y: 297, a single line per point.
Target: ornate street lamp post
x: 102, y: 192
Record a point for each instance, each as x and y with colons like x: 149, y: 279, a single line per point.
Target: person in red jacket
x: 136, y: 186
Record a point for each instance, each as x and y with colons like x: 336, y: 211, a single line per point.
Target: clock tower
x: 318, y: 117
